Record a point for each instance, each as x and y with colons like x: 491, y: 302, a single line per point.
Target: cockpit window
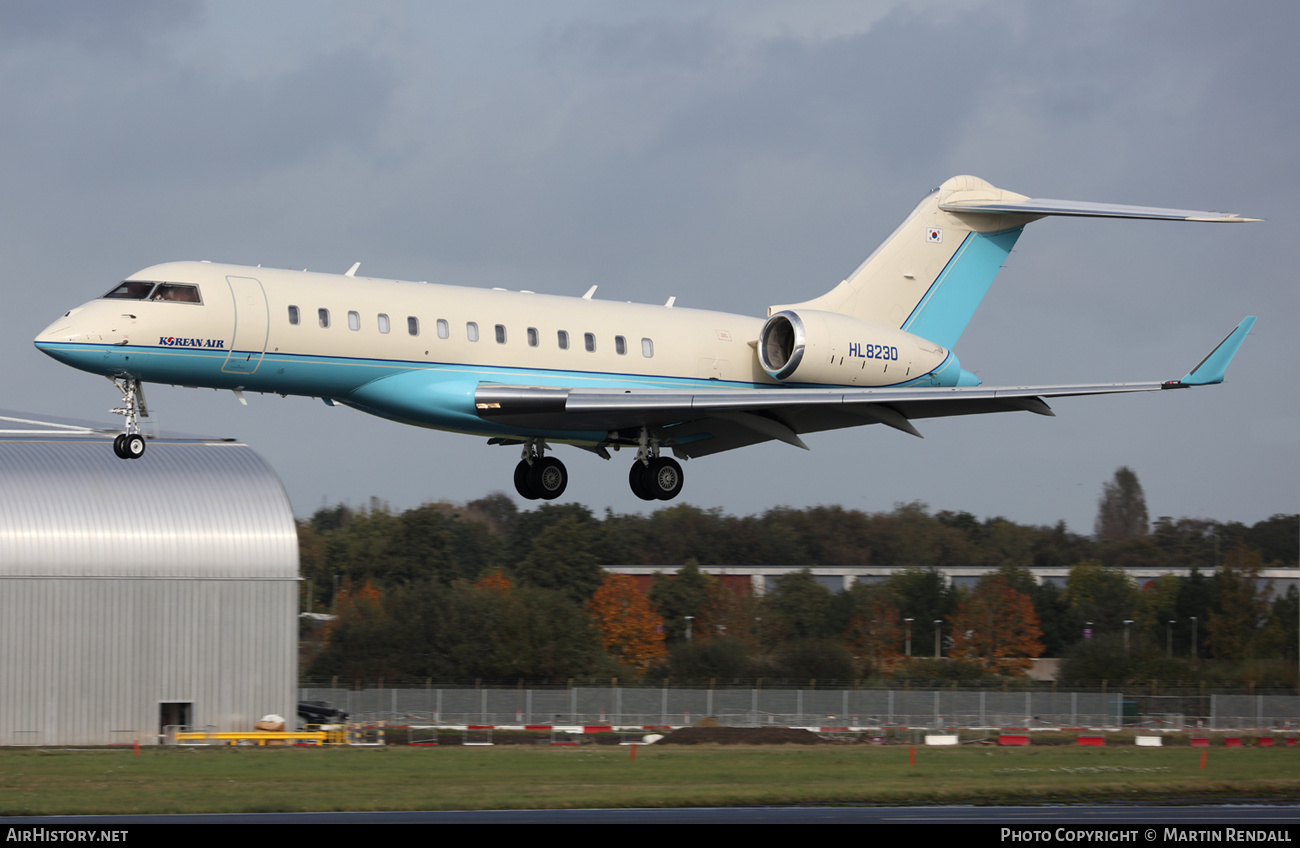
x: 176, y: 293
x: 131, y: 290
x: 141, y: 290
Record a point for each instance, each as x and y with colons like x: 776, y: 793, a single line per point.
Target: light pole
x: 938, y: 629
x: 690, y: 621
x: 1169, y: 640
x: 908, y: 622
x: 1127, y: 622
x: 1194, y: 654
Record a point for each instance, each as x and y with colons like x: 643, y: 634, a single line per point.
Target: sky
x: 732, y: 154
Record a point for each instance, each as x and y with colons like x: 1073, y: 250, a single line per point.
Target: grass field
x: 215, y: 780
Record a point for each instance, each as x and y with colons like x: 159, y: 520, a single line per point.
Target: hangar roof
x: 189, y: 508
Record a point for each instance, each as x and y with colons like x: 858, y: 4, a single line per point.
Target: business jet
x: 534, y: 370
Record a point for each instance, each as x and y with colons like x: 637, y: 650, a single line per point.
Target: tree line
x: 485, y: 591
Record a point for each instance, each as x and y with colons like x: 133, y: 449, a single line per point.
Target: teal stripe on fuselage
x: 332, y: 376
x: 947, y: 307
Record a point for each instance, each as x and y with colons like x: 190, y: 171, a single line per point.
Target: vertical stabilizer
x: 929, y: 276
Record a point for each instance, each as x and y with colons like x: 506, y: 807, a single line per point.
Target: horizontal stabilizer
x: 1211, y: 369
x: 1083, y: 209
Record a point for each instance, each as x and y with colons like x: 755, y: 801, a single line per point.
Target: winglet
x: 1211, y: 368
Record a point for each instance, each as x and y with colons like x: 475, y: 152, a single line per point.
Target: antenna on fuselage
x: 590, y: 292
x: 352, y: 272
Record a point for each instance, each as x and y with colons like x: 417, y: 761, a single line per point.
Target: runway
x: 1278, y: 818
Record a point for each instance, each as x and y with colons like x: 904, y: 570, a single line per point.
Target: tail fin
x: 931, y: 274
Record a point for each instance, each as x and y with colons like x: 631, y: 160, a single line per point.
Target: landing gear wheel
x: 133, y: 446
x: 522, y: 486
x: 663, y: 478
x: 548, y: 478
x: 636, y: 479
x: 118, y: 448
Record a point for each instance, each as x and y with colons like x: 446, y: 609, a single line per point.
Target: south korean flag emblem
x: 934, y: 235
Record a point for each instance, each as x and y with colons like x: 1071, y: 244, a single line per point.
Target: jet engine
x: 811, y: 346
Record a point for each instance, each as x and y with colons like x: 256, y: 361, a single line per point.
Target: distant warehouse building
x: 140, y: 594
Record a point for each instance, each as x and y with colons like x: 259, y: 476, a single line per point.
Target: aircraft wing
x: 704, y: 421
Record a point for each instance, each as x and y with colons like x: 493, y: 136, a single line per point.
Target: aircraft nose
x: 60, y: 330
x: 65, y: 329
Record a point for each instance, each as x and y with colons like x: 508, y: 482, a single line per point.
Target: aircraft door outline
x: 252, y: 325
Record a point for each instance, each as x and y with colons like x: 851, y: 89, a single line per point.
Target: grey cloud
x: 117, y: 27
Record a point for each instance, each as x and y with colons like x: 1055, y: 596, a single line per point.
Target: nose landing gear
x: 130, y: 445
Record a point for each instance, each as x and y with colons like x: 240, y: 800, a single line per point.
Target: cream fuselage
x: 351, y: 333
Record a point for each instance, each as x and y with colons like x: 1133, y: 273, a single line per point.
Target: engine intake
x: 827, y: 348
x: 781, y: 344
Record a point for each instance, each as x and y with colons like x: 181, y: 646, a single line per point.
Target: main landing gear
x: 130, y: 445
x: 539, y: 476
x: 654, y: 477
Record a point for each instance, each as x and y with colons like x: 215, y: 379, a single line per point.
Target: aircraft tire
x: 133, y: 446
x: 548, y: 478
x: 663, y: 478
x: 118, y: 448
x: 522, y: 484
x: 637, y: 479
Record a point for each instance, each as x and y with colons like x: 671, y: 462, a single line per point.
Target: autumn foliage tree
x: 997, y: 627
x: 353, y: 602
x: 875, y: 631
x: 495, y: 580
x: 630, y: 630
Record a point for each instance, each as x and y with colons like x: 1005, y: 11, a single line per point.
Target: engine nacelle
x: 810, y: 346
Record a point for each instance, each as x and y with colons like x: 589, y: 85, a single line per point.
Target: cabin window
x: 589, y: 342
x: 354, y: 320
x: 620, y: 345
x: 412, y: 325
x: 647, y: 348
x: 323, y: 317
x: 533, y: 337
x: 471, y: 331
x: 383, y: 323
x: 444, y: 330
x: 294, y: 318
x: 131, y: 290
x: 174, y: 293
x: 501, y: 333
x: 563, y: 338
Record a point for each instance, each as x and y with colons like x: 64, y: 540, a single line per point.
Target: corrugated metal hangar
x: 138, y: 594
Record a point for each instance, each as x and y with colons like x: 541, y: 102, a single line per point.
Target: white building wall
x: 126, y: 584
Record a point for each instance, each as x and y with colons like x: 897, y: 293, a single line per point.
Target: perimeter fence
x: 919, y: 708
